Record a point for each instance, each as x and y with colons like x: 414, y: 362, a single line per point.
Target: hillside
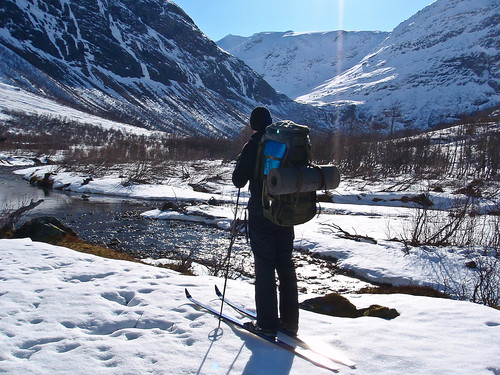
x: 296, y: 63
x: 143, y: 63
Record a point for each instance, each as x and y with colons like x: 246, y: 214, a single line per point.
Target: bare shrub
x: 486, y: 281
x: 459, y: 225
x: 464, y: 228
x: 10, y: 216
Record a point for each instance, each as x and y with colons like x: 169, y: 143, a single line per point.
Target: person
x: 271, y: 245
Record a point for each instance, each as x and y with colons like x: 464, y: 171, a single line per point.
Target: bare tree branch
x: 8, y: 221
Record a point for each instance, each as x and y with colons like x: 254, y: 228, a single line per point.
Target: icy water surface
x: 113, y: 221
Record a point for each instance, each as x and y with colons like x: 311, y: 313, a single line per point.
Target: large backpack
x: 284, y: 145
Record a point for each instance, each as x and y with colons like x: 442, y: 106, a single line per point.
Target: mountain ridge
x: 141, y: 62
x: 283, y: 57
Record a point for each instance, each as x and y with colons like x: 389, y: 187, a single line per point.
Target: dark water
x: 115, y: 221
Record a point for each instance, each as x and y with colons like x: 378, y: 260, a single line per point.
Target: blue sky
x: 218, y: 18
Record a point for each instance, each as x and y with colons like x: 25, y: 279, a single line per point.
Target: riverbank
x: 374, y: 211
x: 192, y: 241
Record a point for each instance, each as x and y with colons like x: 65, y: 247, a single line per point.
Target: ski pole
x: 233, y: 237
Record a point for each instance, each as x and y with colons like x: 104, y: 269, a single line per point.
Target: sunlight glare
x: 340, y: 18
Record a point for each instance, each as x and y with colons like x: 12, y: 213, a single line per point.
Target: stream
x: 116, y: 222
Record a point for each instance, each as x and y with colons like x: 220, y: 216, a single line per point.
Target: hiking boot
x: 285, y: 328
x: 254, y: 327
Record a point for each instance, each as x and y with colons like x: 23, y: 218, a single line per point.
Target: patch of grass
x: 178, y: 267
x: 82, y: 246
x: 414, y: 290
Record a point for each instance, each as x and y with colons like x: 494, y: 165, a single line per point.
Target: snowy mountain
x: 442, y: 62
x: 143, y: 62
x: 296, y: 63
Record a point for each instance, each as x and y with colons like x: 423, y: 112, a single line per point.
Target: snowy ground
x: 66, y: 312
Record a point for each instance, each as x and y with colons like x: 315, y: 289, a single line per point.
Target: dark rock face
x: 143, y: 62
x: 44, y: 229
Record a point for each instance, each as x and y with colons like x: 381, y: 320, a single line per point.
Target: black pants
x: 272, y: 248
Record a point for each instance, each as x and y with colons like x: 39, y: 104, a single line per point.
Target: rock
x: 170, y: 206
x: 423, y: 200
x: 200, y: 188
x: 44, y: 229
x: 380, y: 312
x: 334, y: 304
x: 45, y: 183
x: 213, y: 202
x: 471, y: 264
x: 87, y: 180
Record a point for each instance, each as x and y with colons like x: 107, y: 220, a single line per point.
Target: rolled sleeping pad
x: 287, y: 180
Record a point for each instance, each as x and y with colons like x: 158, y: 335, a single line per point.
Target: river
x: 116, y: 222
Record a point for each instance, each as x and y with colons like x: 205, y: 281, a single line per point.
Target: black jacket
x: 245, y: 171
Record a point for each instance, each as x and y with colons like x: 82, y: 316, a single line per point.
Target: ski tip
x: 217, y: 291
x: 188, y: 295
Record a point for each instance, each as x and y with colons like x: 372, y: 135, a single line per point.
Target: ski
x: 338, y: 358
x: 238, y: 308
x: 299, y: 351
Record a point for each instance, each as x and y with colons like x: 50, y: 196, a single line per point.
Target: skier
x: 272, y: 245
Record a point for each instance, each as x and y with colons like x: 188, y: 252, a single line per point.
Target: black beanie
x: 260, y: 119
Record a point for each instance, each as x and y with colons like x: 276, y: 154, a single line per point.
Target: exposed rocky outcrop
x: 336, y: 305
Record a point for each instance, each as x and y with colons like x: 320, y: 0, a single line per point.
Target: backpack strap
x: 259, y: 162
x: 300, y: 179
x: 322, y: 175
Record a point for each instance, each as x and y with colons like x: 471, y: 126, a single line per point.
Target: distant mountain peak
x: 442, y: 62
x: 295, y: 63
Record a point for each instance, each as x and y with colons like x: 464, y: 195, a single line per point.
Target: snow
x: 296, y: 63
x: 68, y: 312
x: 9, y: 160
x: 27, y: 102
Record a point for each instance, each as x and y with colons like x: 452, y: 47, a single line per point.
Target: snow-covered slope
x: 296, y: 63
x: 442, y: 62
x: 65, y: 312
x: 141, y: 62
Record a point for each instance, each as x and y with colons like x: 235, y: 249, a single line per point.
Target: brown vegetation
x: 470, y: 150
